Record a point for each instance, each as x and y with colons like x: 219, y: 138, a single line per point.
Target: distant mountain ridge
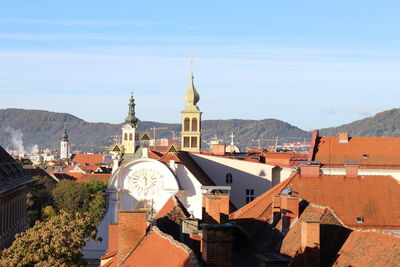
x: 386, y: 123
x: 44, y: 128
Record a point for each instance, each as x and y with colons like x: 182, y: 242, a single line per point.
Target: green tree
x: 39, y: 196
x: 72, y: 196
x: 56, y: 242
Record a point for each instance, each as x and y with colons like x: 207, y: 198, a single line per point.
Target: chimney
x: 289, y: 209
x: 343, y: 138
x: 351, y: 169
x: 310, y: 242
x: 215, y: 208
x: 215, y: 204
x: 310, y: 169
x: 218, y: 149
x: 113, y: 237
x: 276, y: 208
x: 132, y: 227
x: 217, y: 244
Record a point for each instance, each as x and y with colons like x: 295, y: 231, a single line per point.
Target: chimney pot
x: 343, y: 138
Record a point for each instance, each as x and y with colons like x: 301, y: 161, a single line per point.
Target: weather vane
x: 191, y: 56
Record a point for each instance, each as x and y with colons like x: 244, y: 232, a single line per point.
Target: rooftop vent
x: 365, y: 156
x: 359, y: 219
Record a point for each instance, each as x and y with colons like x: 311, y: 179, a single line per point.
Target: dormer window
x: 359, y: 219
x: 228, y: 179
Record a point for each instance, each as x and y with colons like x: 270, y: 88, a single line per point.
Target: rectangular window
x: 186, y: 141
x: 249, y: 195
x: 194, y: 141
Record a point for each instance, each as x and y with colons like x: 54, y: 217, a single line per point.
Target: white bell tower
x: 64, y: 149
x: 129, y: 129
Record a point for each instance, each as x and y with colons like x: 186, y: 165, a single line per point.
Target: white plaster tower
x: 64, y: 149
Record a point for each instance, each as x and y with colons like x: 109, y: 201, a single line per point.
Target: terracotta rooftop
x: 159, y: 249
x: 95, y: 176
x: 87, y: 159
x: 369, y: 249
x: 370, y: 152
x: 373, y: 199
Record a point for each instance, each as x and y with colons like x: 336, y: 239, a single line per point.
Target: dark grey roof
x: 11, y: 173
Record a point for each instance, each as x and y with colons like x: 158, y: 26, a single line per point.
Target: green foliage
x: 74, y: 196
x: 45, y: 129
x: 56, y: 242
x: 71, y: 196
x: 48, y: 212
x: 39, y: 196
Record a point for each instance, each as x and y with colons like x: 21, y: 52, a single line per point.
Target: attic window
x: 365, y: 156
x: 359, y: 219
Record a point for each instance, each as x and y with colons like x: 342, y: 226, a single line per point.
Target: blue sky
x: 313, y: 64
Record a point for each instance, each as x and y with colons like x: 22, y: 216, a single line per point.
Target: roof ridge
x: 180, y: 245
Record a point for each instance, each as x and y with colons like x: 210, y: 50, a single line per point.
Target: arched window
x: 194, y: 125
x: 193, y: 141
x: 186, y: 125
x: 130, y: 137
x: 228, y: 178
x: 125, y: 136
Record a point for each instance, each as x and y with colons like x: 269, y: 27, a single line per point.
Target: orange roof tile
x: 88, y: 159
x: 369, y: 249
x: 159, y: 249
x: 370, y: 152
x: 374, y: 198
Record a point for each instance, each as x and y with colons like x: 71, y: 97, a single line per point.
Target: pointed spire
x: 64, y: 137
x: 131, y: 118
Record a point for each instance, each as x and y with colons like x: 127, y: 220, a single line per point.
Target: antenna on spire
x: 132, y: 93
x: 191, y: 56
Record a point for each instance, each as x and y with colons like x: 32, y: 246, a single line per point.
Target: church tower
x: 129, y: 129
x: 191, y: 120
x: 64, y: 149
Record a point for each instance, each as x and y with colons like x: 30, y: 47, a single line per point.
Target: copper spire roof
x: 131, y: 118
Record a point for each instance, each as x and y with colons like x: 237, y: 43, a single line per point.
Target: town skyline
x: 312, y: 65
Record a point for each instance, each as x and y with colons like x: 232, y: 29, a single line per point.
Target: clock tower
x: 129, y: 129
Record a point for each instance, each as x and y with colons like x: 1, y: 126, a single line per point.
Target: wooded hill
x: 45, y: 128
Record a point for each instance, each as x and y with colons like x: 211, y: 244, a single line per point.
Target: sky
x: 313, y: 64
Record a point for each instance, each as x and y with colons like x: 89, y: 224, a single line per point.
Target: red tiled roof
x: 159, y: 249
x: 89, y: 159
x: 374, y: 198
x: 369, y: 249
x: 370, y: 152
x: 172, y: 203
x: 260, y: 208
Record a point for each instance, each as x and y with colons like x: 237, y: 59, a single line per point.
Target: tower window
x: 194, y: 142
x: 228, y: 177
x: 130, y: 137
x: 186, y: 141
x: 249, y: 195
x: 186, y: 125
x: 125, y: 136
x: 194, y: 125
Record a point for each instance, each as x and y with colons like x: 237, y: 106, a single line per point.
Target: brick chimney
x: 113, y: 237
x: 217, y: 244
x: 131, y: 228
x: 276, y: 207
x: 343, y: 138
x: 310, y: 242
x: 215, y: 207
x: 289, y: 210
x: 351, y: 169
x: 310, y: 169
x: 218, y: 149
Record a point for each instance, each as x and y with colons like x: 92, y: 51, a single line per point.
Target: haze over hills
x: 44, y: 128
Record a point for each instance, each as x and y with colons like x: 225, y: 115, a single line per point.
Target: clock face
x: 145, y: 182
